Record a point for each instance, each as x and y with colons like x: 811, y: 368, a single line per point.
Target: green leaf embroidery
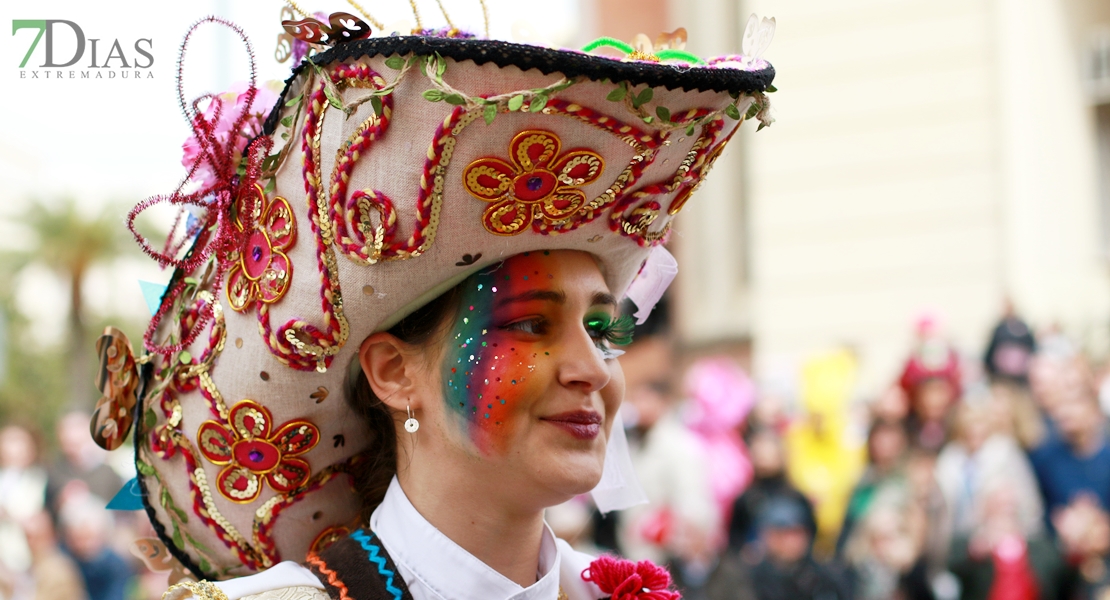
x: 642, y: 98
x: 649, y: 119
x: 204, y: 566
x: 516, y: 102
x: 489, y: 113
x: 376, y: 104
x: 395, y: 62
x: 732, y: 111
x: 433, y: 95
x: 295, y: 100
x: 149, y: 420
x: 144, y: 468
x: 772, y: 89
x: 271, y: 185
x: 455, y: 99
x: 537, y: 103
x: 177, y: 539
x: 753, y: 110
x: 185, y: 357
x: 618, y: 93
x: 441, y: 66
x: 287, y: 121
x: 663, y: 112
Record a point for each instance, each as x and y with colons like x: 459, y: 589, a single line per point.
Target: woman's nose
x: 581, y: 364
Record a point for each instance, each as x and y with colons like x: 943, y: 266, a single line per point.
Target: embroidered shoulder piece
x: 296, y: 592
x: 357, y: 567
x: 200, y: 590
x: 627, y: 580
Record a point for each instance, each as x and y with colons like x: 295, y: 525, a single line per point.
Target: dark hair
x: 372, y: 477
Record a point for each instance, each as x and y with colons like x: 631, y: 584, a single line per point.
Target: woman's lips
x: 582, y: 424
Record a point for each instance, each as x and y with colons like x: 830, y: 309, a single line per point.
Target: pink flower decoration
x: 626, y: 580
x: 230, y: 105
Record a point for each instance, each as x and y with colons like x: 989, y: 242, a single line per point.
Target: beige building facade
x: 928, y: 156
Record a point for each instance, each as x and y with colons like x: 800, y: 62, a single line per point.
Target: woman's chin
x: 573, y: 474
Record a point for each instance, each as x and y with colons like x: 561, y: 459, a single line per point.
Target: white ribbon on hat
x: 655, y: 277
x: 619, y: 487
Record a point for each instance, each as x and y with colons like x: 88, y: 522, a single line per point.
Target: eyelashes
x: 615, y: 331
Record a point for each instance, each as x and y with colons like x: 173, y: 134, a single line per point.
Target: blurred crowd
x: 973, y: 475
x: 58, y: 541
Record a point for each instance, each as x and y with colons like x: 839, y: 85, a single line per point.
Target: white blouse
x: 433, y: 566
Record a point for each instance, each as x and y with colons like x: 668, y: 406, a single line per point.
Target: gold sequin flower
x: 250, y: 453
x: 261, y: 270
x: 538, y: 183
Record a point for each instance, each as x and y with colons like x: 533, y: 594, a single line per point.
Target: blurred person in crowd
x: 931, y: 379
x: 1083, y: 530
x: 999, y: 558
x: 22, y: 493
x: 979, y: 459
x: 719, y: 397
x: 81, y: 461
x: 783, y: 566
x: 1075, y: 459
x: 824, y: 458
x: 55, y: 576
x: 769, y: 481
x: 1011, y: 348
x: 886, y: 549
x: 892, y: 406
x: 677, y: 522
x: 886, y: 453
x: 1016, y: 415
x: 87, y: 527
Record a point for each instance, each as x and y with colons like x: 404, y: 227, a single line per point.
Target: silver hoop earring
x: 411, y: 424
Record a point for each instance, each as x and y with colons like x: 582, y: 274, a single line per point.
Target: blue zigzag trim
x: 366, y: 541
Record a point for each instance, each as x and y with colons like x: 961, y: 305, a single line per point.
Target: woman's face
x: 528, y: 380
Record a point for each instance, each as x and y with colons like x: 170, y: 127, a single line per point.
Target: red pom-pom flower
x: 626, y: 580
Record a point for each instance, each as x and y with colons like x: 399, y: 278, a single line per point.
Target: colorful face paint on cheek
x: 486, y: 371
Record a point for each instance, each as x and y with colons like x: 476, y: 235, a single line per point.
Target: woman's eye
x: 528, y: 326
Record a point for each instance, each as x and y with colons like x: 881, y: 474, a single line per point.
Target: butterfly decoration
x: 341, y: 28
x: 757, y: 37
x: 117, y: 378
x: 675, y: 40
x: 153, y: 553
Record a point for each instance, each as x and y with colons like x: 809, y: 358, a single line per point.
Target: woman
x: 376, y: 357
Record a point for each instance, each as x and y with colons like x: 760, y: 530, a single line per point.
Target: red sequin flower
x: 626, y: 580
x: 251, y: 453
x: 537, y: 184
x: 261, y: 270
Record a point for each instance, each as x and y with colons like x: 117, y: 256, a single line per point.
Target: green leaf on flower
x: 395, y: 62
x: 185, y: 357
x: 271, y: 185
x: 642, y: 98
x: 433, y: 95
x: 761, y: 126
x: 753, y: 110
x: 489, y: 113
x: 537, y: 103
x: 663, y: 112
x: 441, y: 66
x: 618, y: 93
x: 455, y: 99
x: 732, y: 111
x: 649, y: 119
x: 772, y: 89
x: 516, y: 102
x: 287, y: 121
x: 295, y: 100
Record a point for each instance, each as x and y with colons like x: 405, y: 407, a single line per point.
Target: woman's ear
x: 390, y: 367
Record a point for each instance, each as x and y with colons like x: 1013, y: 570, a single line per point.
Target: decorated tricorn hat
x: 390, y: 169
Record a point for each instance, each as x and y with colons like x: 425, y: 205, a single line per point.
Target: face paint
x: 484, y: 373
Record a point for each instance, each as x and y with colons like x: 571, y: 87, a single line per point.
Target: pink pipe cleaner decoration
x: 626, y: 580
x: 217, y: 156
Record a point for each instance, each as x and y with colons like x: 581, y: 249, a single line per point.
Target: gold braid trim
x: 201, y: 590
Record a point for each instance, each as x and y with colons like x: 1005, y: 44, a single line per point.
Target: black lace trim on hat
x: 547, y: 61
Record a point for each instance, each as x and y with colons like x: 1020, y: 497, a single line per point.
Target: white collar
x: 444, y: 567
